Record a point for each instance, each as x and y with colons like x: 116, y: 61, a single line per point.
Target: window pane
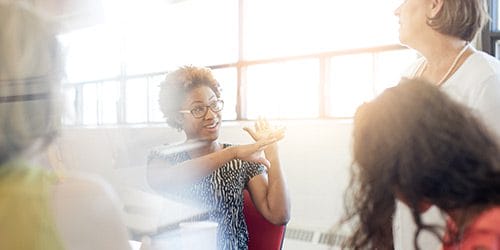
x: 91, y: 54
x: 69, y: 107
x: 155, y: 114
x: 164, y: 36
x: 109, y: 101
x: 497, y: 15
x: 311, y: 26
x: 390, y: 66
x: 136, y: 100
x: 283, y: 90
x: 89, y: 103
x: 227, y: 78
x: 351, y: 83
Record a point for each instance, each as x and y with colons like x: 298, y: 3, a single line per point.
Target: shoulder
x: 171, y: 152
x: 86, y: 209
x: 477, y: 80
x: 482, y: 66
x: 484, y: 233
x: 82, y: 183
x: 488, y: 220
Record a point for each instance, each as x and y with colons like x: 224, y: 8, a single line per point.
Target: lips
x: 212, y: 125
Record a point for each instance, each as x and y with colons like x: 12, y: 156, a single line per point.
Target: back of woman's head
x: 434, y: 147
x: 30, y: 74
x: 414, y: 141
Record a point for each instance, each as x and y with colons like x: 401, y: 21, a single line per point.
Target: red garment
x: 483, y: 233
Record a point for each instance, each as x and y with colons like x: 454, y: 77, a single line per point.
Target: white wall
x: 315, y: 155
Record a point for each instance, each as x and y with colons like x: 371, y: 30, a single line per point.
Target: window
x: 491, y: 33
x: 302, y: 59
x: 283, y: 90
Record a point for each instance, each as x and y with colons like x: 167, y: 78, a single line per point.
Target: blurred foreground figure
x: 38, y: 210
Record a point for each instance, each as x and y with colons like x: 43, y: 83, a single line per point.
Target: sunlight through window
x: 293, y: 57
x: 283, y: 90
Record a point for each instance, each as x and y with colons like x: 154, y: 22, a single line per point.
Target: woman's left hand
x: 264, y: 130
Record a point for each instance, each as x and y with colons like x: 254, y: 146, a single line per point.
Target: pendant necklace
x: 452, y: 67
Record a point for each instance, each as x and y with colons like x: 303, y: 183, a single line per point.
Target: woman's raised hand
x: 264, y: 136
x: 264, y: 130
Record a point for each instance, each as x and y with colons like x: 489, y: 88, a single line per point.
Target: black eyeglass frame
x: 216, y: 107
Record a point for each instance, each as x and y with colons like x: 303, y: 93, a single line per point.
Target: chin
x: 211, y: 137
x: 403, y: 40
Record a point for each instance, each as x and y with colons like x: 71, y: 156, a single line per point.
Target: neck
x: 443, y: 59
x: 442, y: 52
x: 201, y: 148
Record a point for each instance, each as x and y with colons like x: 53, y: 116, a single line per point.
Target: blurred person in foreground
x: 38, y: 210
x: 415, y: 144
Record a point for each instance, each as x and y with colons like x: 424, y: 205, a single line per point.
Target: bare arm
x: 270, y: 193
x: 162, y: 176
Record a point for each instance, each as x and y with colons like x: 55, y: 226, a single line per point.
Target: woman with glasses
x: 214, y: 174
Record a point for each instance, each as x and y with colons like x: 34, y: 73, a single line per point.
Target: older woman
x: 441, y: 31
x: 415, y: 144
x: 211, y: 173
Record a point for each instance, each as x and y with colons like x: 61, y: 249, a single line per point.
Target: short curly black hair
x: 177, y: 84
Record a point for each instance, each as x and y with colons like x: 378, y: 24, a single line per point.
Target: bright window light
x: 89, y: 104
x: 283, y: 90
x: 92, y: 53
x: 155, y: 114
x: 288, y: 70
x: 282, y: 27
x: 351, y: 83
x: 228, y: 80
x: 135, y: 101
x: 109, y: 102
x: 390, y: 66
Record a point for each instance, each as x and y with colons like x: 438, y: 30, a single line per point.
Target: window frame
x: 240, y: 65
x: 491, y: 33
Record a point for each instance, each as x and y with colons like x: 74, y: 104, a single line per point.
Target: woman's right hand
x: 253, y: 152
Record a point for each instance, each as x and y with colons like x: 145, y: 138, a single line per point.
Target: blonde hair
x: 30, y: 75
x: 460, y: 18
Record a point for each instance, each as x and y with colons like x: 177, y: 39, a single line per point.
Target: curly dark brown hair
x: 177, y: 84
x: 414, y: 140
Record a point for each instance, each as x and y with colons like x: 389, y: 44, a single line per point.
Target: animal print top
x: 221, y: 192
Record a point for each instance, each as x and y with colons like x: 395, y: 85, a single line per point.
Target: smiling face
x: 207, y: 127
x: 412, y: 20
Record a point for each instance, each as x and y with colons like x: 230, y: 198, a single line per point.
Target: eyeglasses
x: 201, y: 111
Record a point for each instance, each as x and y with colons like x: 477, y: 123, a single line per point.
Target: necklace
x: 420, y: 72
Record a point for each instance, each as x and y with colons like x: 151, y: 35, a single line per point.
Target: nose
x: 397, y: 11
x: 210, y: 114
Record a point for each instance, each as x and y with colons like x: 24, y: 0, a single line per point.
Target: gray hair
x: 30, y: 76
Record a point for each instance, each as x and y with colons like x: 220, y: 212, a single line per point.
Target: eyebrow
x: 209, y: 99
